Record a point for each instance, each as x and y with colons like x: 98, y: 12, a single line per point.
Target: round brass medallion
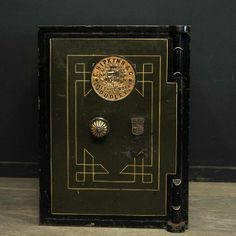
x: 113, y: 78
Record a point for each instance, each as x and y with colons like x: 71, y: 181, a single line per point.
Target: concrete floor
x: 212, y: 212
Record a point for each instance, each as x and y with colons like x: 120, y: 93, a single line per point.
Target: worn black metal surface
x: 178, y: 71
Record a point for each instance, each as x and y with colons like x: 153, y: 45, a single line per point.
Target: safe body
x: 130, y: 85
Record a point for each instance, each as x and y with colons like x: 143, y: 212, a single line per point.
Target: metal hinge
x: 176, y: 224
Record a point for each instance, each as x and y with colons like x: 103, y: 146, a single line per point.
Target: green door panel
x: 122, y: 173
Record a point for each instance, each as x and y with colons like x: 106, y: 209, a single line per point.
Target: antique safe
x: 113, y: 104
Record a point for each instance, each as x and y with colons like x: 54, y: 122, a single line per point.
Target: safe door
x: 112, y: 125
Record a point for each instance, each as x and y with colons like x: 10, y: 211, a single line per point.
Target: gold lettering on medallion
x: 113, y: 78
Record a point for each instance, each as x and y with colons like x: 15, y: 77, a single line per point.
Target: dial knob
x: 99, y: 127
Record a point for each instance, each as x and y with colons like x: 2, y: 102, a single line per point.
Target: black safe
x: 113, y: 105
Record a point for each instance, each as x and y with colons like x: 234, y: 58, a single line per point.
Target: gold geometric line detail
x: 89, y: 172
x: 136, y: 173
x: 138, y: 91
x: 87, y: 92
x: 84, y: 72
x: 89, y: 154
x: 131, y: 173
x: 143, y: 72
x: 127, y: 166
x: 84, y: 164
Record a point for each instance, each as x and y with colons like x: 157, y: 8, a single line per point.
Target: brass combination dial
x: 99, y: 127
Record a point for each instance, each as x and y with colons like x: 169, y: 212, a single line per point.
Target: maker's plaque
x: 113, y: 78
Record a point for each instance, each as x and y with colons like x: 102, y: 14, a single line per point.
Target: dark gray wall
x: 213, y: 80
